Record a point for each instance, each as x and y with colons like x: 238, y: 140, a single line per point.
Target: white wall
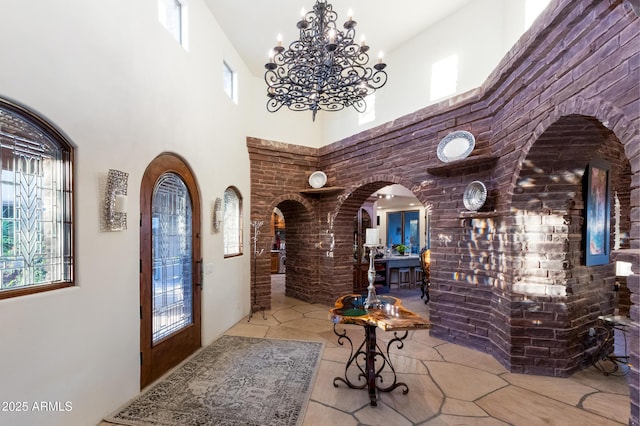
x: 110, y: 76
x: 287, y: 126
x: 480, y: 34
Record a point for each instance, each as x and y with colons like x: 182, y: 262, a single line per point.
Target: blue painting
x: 597, y: 211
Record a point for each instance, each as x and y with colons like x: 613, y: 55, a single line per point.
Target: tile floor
x: 448, y: 384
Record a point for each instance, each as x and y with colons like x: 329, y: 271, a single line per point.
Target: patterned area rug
x: 233, y: 381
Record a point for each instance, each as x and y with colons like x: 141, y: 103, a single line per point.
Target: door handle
x: 198, y: 274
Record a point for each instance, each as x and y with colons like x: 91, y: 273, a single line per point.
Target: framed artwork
x: 597, y: 213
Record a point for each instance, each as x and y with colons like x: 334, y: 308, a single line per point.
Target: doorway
x: 278, y: 242
x: 403, y: 230
x: 361, y: 222
x: 170, y: 267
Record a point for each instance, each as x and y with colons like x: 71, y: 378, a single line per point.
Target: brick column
x: 633, y: 282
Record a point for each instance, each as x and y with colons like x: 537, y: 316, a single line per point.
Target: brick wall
x: 509, y: 279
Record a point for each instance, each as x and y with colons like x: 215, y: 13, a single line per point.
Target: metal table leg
x: 364, y: 361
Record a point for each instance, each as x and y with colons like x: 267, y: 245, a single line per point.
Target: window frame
x: 180, y: 34
x: 444, y: 72
x: 239, y: 229
x: 234, y: 81
x: 404, y: 220
x: 369, y: 115
x: 40, y: 123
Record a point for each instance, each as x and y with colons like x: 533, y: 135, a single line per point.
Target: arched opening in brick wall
x: 302, y: 260
x: 555, y: 297
x: 341, y: 276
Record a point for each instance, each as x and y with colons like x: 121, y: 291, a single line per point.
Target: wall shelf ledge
x: 327, y: 190
x: 459, y: 166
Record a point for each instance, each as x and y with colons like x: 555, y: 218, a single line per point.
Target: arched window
x: 232, y: 228
x: 37, y: 203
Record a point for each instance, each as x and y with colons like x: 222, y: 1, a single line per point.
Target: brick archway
x: 298, y: 213
x: 551, y: 287
x: 605, y: 113
x: 338, y: 267
x: 301, y: 263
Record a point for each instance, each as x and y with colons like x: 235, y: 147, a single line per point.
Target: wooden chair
x: 425, y: 264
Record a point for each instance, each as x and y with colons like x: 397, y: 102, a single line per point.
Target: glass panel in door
x: 172, y: 301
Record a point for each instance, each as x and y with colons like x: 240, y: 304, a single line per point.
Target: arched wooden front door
x: 170, y: 276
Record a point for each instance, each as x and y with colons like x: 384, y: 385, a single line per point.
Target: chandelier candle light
x: 326, y: 69
x: 372, y: 300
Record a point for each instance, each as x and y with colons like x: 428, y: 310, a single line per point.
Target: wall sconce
x: 216, y: 221
x: 115, y: 203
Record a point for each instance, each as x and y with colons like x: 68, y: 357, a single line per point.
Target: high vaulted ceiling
x: 253, y: 25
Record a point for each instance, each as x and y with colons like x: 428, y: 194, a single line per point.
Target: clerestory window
x: 37, y: 203
x: 369, y: 114
x: 172, y: 15
x: 444, y: 77
x: 229, y: 82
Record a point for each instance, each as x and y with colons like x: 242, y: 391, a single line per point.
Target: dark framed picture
x: 597, y: 213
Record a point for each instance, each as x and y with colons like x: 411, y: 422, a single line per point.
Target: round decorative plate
x: 456, y: 146
x: 475, y: 194
x: 317, y: 179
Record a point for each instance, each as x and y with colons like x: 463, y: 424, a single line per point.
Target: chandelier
x: 326, y: 69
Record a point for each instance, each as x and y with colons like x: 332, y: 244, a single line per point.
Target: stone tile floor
x: 448, y: 384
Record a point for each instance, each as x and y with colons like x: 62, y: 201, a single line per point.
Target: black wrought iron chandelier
x: 326, y: 69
